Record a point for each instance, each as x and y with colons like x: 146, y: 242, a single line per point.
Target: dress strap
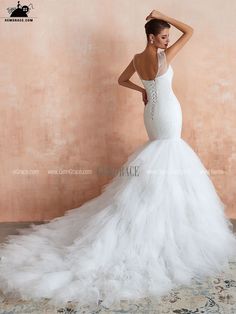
x: 162, y: 63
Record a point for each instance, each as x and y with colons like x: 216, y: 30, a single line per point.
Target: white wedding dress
x: 150, y: 230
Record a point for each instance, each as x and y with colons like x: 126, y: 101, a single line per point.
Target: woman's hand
x: 155, y: 15
x: 144, y: 95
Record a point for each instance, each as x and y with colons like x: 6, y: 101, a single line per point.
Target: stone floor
x: 213, y: 295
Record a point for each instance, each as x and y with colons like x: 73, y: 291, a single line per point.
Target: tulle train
x: 148, y: 232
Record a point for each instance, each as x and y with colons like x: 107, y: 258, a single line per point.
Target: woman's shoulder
x: 139, y: 55
x: 145, y: 54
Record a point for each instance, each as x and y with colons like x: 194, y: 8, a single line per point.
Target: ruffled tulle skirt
x: 157, y: 224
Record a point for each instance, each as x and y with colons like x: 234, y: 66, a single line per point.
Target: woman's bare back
x: 148, y: 66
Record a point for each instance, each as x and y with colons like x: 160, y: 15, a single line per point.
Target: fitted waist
x: 159, y: 97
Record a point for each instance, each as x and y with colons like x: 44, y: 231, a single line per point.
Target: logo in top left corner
x: 19, y: 13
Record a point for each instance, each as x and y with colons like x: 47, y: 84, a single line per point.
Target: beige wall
x: 61, y: 106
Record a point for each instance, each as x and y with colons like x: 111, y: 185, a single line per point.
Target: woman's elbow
x: 191, y: 30
x: 120, y: 81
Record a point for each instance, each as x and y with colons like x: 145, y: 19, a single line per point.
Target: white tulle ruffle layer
x: 144, y: 235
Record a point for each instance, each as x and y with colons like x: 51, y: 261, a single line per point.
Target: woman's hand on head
x: 155, y: 15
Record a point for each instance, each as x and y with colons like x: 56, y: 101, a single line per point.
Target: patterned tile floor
x: 213, y: 295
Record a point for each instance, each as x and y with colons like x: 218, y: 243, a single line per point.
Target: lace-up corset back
x: 162, y: 112
x: 151, y: 85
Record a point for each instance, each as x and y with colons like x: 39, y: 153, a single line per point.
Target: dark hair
x: 155, y: 26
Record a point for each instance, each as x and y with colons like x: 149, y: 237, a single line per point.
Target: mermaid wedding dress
x: 157, y: 227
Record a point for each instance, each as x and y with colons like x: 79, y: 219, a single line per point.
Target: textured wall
x: 61, y: 106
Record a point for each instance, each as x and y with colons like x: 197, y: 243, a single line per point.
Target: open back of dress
x: 162, y: 65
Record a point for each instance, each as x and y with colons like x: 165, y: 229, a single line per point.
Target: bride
x: 145, y: 234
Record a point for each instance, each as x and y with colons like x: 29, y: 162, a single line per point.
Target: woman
x: 148, y: 232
